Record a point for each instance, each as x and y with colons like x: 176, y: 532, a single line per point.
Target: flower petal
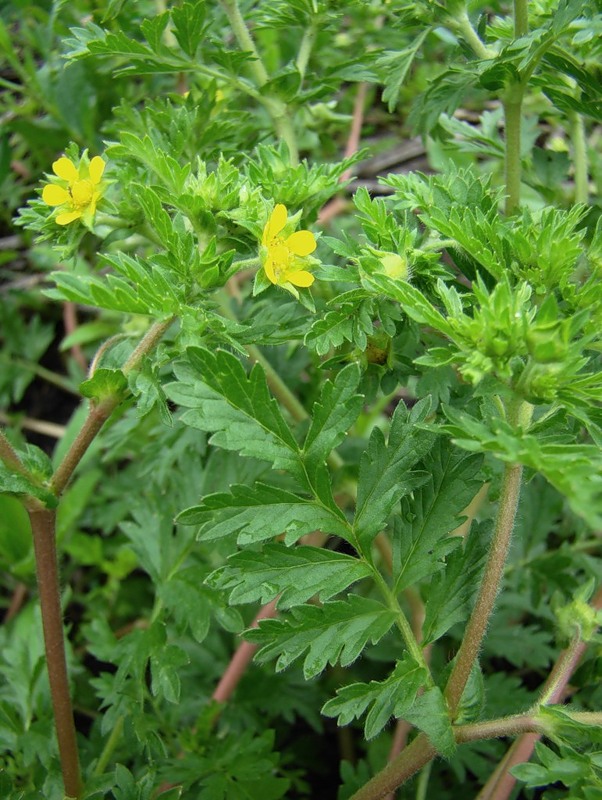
x: 65, y: 168
x: 269, y: 270
x: 301, y: 243
x: 54, y: 195
x: 275, y: 224
x: 69, y: 216
x: 300, y: 277
x: 97, y: 167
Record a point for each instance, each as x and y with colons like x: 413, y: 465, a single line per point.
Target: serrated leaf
x: 385, y: 468
x: 384, y: 699
x: 293, y: 574
x: 413, y: 302
x: 186, y: 598
x: 261, y: 512
x: 422, y: 540
x: 236, y: 408
x: 332, y: 416
x: 189, y: 25
x: 575, y: 470
x: 395, y: 65
x: 335, y: 632
x: 451, y: 591
x: 165, y: 664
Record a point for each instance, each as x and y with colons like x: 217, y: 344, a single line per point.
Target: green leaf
x: 395, y: 65
x: 105, y: 384
x: 165, y: 664
x: 335, y: 632
x: 261, y: 512
x: 575, y: 470
x: 451, y: 591
x: 189, y: 25
x: 413, y: 302
x: 392, y: 697
x: 430, y: 715
x: 385, y: 468
x: 294, y: 574
x: 187, y: 599
x: 15, y: 537
x: 422, y: 541
x: 38, y: 471
x: 237, y: 409
x: 332, y: 416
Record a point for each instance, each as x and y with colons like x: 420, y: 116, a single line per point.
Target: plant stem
x: 243, y: 37
x: 513, y: 166
x: 403, y: 624
x: 96, y: 418
x: 43, y: 528
x: 490, y: 585
x: 423, y: 782
x: 305, y: 48
x: 275, y: 107
x: 462, y: 25
x: 580, y: 164
x: 42, y: 372
x: 409, y: 761
x: 100, y: 412
x: 500, y: 783
x: 109, y: 747
x: 420, y: 752
x: 521, y: 18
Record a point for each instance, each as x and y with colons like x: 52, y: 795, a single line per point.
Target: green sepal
x: 105, y: 384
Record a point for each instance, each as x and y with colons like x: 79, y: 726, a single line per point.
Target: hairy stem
x: 490, y: 585
x: 277, y: 110
x: 463, y: 26
x: 100, y: 412
x: 305, y: 48
x: 43, y: 528
x: 521, y: 18
x: 408, y: 762
x: 241, y: 658
x: 520, y: 413
x: 580, y: 165
x: 513, y: 166
x: 243, y: 37
x: 420, y: 752
x: 500, y: 784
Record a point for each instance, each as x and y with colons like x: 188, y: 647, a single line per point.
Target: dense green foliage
x: 214, y: 433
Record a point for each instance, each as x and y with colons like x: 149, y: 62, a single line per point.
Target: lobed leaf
x: 236, y: 408
x: 336, y: 632
x: 291, y: 574
x: 385, y: 474
x: 261, y: 512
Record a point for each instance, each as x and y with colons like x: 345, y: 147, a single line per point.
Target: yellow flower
x: 78, y: 190
x: 283, y: 256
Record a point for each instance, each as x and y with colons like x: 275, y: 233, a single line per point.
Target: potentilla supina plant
x: 284, y: 256
x: 77, y: 190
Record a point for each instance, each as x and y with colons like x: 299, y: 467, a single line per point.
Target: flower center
x: 81, y: 193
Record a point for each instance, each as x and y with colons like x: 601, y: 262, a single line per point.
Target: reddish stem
x: 70, y: 322
x: 43, y: 529
x: 501, y: 782
x: 337, y: 204
x: 241, y: 658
